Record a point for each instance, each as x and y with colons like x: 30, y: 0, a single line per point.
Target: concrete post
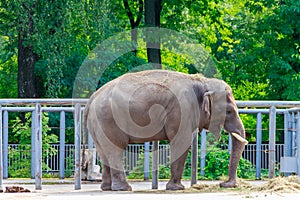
x: 5, y: 144
x: 62, y: 136
x: 272, y: 141
x: 38, y: 147
x: 1, y: 160
x: 203, y: 152
x: 298, y: 142
x: 33, y: 153
x: 229, y: 143
x: 258, y: 145
x: 146, y: 160
x: 155, y: 164
x: 293, y: 133
x: 194, y: 159
x: 287, y: 135
x: 77, y: 140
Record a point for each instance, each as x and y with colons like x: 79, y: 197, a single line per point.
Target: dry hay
x: 241, y: 185
x: 289, y: 184
x: 204, y: 187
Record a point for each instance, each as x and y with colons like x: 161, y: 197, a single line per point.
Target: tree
x: 26, y: 55
x: 152, y: 19
x: 51, y: 40
x: 134, y: 23
x: 268, y: 51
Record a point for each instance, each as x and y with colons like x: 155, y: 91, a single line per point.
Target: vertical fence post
x: 298, y: 142
x: 146, y: 160
x: 77, y: 139
x: 287, y: 135
x: 203, y: 152
x: 272, y: 141
x: 1, y: 160
x: 62, y: 136
x: 155, y: 164
x: 5, y: 144
x: 38, y: 147
x: 33, y: 153
x: 293, y: 133
x: 90, y: 141
x: 194, y: 159
x: 258, y: 145
x: 229, y: 143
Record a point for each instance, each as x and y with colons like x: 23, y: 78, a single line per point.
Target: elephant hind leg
x: 106, y: 178
x: 118, y: 177
x: 106, y: 172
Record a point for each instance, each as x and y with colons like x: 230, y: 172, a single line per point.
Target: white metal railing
x: 272, y: 108
x: 131, y: 156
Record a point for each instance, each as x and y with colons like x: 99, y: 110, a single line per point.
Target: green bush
x: 21, y: 155
x: 69, y: 165
x: 138, y: 171
x: 217, y: 162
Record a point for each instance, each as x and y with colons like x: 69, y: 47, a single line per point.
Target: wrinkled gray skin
x: 159, y: 105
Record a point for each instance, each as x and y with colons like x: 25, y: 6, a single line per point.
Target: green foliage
x: 125, y: 63
x: 138, y: 171
x: 69, y: 165
x: 217, y: 162
x: 8, y: 75
x: 22, y: 136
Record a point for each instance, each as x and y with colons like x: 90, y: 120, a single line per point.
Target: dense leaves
x: 255, y: 44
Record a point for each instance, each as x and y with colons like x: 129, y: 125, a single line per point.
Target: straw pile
x: 289, y: 184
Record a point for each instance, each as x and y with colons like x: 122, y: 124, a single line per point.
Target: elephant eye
x: 228, y: 112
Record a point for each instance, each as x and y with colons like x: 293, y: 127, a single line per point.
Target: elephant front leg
x: 236, y: 153
x: 177, y: 167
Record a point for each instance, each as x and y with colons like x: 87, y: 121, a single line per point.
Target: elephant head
x: 221, y: 110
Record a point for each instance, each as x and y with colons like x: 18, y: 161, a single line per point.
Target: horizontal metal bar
x: 44, y: 109
x: 267, y: 104
x: 71, y: 109
x: 258, y: 104
x: 263, y: 111
x: 293, y: 110
x: 42, y: 101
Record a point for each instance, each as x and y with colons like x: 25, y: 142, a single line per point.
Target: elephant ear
x: 214, y: 104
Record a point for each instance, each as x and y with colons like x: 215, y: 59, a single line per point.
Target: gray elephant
x: 160, y: 105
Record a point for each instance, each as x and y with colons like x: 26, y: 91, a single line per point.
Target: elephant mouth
x: 239, y: 138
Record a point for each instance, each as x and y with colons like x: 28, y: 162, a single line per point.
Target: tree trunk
x: 152, y: 19
x: 26, y: 61
x: 134, y: 23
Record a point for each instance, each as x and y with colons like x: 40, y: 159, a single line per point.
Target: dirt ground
x: 64, y: 190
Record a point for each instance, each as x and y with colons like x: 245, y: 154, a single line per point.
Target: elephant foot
x: 121, y: 187
x: 174, y: 186
x: 228, y: 184
x: 106, y: 187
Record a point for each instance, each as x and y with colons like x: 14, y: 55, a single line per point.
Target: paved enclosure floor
x: 141, y: 190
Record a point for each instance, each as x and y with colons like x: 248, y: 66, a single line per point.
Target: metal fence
x: 131, y: 156
x: 265, y: 155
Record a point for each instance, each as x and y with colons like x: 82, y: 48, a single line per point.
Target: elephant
x: 155, y: 105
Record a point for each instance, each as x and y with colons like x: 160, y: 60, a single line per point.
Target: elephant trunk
x: 238, y: 145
